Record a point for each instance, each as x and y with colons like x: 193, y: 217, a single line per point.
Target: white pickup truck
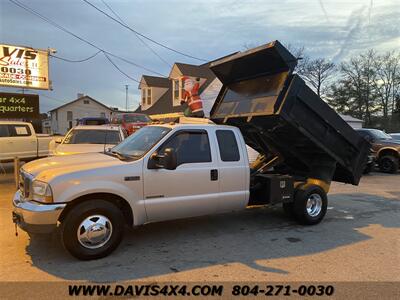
x: 18, y: 139
x: 162, y: 172
x: 196, y: 167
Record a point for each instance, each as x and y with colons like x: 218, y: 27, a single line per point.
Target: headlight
x: 42, y: 192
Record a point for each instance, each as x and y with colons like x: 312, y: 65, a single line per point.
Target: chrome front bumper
x: 34, y: 217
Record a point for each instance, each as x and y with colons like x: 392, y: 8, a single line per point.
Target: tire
x: 389, y: 164
x: 108, y: 223
x: 315, y: 196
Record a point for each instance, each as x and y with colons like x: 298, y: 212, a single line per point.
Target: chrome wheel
x: 314, y: 205
x: 94, y: 232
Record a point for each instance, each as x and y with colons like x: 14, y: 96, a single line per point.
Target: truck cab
x: 200, y: 170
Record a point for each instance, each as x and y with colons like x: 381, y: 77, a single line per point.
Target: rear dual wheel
x: 309, y: 206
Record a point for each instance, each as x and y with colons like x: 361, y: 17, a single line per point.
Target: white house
x: 65, y: 116
x: 353, y: 122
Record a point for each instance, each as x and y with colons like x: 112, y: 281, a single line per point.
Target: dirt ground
x: 359, y: 240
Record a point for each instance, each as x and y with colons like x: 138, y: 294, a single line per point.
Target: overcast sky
x: 204, y: 29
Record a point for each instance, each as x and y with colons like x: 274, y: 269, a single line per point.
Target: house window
x: 144, y: 96
x: 103, y: 114
x: 149, y: 96
x: 69, y: 115
x: 176, y: 91
x: 86, y: 102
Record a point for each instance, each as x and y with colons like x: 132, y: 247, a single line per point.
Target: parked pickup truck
x: 88, y: 138
x: 18, y: 139
x: 385, y: 149
x: 197, y: 167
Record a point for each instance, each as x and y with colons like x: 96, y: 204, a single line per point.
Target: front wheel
x: 389, y: 164
x: 92, y: 229
x: 310, y: 205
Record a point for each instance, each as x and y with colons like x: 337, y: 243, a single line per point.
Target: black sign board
x: 19, y: 106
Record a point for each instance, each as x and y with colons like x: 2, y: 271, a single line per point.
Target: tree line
x: 365, y: 86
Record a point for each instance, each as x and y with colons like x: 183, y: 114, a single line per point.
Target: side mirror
x: 167, y: 160
x: 58, y: 140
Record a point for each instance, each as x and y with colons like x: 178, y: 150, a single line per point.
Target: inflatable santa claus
x: 191, y: 97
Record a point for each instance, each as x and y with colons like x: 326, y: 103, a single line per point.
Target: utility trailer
x: 304, y: 143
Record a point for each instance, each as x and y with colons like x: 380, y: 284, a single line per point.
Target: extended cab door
x: 189, y: 190
x: 234, y: 170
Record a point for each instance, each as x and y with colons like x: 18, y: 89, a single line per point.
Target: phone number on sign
x: 283, y: 290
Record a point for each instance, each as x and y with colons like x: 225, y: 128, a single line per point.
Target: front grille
x: 24, y: 184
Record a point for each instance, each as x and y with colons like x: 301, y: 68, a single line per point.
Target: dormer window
x: 176, y: 91
x: 143, y: 96
x: 146, y: 96
x: 149, y: 96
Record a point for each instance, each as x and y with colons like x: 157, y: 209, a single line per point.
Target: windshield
x: 136, y: 119
x: 378, y: 134
x: 80, y: 136
x: 141, y: 141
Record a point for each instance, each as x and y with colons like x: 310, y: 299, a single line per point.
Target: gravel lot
x: 359, y: 240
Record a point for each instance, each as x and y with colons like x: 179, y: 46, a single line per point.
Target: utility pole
x: 126, y: 97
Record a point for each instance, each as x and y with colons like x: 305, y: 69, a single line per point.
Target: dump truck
x: 199, y: 167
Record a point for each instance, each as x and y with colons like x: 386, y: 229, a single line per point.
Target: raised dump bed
x: 281, y: 117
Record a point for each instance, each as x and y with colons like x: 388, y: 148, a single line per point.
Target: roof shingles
x: 156, y: 81
x: 81, y: 98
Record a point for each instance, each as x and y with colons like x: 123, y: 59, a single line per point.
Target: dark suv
x: 385, y: 148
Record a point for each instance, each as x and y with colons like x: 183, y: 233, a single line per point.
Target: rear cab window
x: 19, y: 130
x: 228, y: 147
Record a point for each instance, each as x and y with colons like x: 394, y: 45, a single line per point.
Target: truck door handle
x: 214, y: 174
